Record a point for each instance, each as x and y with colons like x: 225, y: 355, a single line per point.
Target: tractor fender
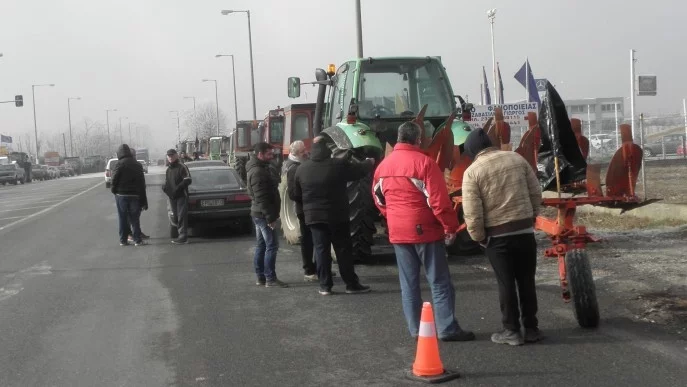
x: 352, y: 136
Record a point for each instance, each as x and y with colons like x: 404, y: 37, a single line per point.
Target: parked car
x: 37, y: 173
x: 600, y: 141
x: 12, y: 173
x: 671, y: 143
x: 108, y: 172
x: 144, y: 164
x: 54, y: 172
x: 216, y: 197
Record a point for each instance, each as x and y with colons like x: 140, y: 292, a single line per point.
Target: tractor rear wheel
x: 582, y: 288
x: 241, y: 167
x: 361, y: 216
x: 289, y: 220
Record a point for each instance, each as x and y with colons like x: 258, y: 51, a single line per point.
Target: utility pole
x: 617, y: 139
x: 359, y: 28
x: 641, y: 144
x: 632, y: 92
x: 64, y: 141
x: 491, y: 14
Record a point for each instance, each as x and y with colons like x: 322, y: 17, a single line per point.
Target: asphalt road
x: 76, y: 309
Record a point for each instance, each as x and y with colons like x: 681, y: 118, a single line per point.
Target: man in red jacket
x: 410, y: 191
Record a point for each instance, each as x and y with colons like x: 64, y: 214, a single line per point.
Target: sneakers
x: 325, y: 292
x: 125, y: 243
x: 507, y: 337
x: 532, y: 335
x: 459, y: 336
x: 276, y: 284
x: 179, y: 241
x: 310, y: 277
x: 357, y: 289
x: 260, y: 282
x: 140, y: 243
x: 144, y: 236
x: 130, y: 239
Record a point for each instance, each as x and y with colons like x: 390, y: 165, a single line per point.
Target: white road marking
x: 11, y: 217
x: 49, y: 208
x: 16, y: 279
x: 24, y: 208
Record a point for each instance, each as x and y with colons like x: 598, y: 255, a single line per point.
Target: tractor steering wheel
x: 381, y: 111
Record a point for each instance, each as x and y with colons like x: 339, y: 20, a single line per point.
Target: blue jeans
x: 129, y: 211
x: 265, y: 251
x: 409, y: 258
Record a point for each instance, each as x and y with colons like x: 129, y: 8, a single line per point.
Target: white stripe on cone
x: 427, y: 330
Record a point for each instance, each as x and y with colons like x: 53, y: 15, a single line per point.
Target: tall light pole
x: 491, y: 14
x: 178, y: 134
x: 250, y: 47
x: 35, y: 127
x: 216, y: 101
x: 359, y: 28
x: 109, y: 144
x: 194, y: 102
x: 233, y: 76
x: 632, y: 91
x: 121, y: 138
x: 69, y: 112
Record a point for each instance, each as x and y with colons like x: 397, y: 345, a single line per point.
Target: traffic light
x: 18, y: 101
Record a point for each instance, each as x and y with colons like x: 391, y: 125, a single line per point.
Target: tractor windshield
x: 215, y: 146
x: 393, y: 88
x: 276, y: 130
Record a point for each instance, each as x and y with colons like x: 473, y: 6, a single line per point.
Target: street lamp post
x: 491, y: 14
x: 69, y: 112
x: 233, y: 75
x: 109, y: 144
x: 359, y: 28
x: 131, y: 141
x: 178, y: 134
x: 250, y: 47
x: 121, y: 138
x: 216, y: 101
x: 35, y: 127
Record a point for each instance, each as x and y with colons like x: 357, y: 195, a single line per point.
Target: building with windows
x: 598, y: 115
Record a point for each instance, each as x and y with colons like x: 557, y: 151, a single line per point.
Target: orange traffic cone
x: 428, y: 367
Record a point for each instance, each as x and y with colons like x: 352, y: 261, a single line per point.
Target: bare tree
x: 203, y: 122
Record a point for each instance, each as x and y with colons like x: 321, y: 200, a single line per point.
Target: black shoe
x: 260, y: 282
x: 459, y: 336
x: 325, y: 292
x: 532, y: 335
x: 125, y: 243
x: 357, y: 289
x: 179, y: 241
x: 508, y: 337
x: 276, y: 284
x: 144, y: 236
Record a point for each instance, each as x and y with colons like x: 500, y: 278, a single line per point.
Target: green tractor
x: 361, y: 105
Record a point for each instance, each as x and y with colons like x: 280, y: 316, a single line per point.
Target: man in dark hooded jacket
x: 129, y: 188
x: 320, y: 183
x: 263, y: 189
x: 177, y: 180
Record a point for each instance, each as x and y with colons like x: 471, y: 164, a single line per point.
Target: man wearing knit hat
x: 501, y: 199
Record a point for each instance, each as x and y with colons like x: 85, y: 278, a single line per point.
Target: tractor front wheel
x: 582, y: 288
x: 361, y: 218
x: 289, y: 220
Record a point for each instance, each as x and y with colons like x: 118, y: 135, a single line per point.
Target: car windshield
x: 391, y: 87
x: 212, y: 179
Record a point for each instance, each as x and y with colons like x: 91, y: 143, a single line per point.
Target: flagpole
x: 527, y: 78
x: 491, y: 14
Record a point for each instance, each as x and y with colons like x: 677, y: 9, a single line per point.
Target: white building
x: 598, y: 115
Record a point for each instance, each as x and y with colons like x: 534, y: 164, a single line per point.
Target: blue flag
x: 6, y: 139
x: 485, y: 85
x: 501, y: 99
x: 526, y: 79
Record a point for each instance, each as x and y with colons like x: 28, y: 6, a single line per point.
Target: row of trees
x: 202, y: 122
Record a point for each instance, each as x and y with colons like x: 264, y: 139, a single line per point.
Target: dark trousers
x: 514, y: 259
x: 129, y: 211
x: 338, y: 235
x: 180, y: 213
x: 306, y: 247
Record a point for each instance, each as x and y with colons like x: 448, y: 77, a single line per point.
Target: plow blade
x: 582, y: 141
x: 420, y: 120
x: 623, y: 170
x: 499, y: 131
x: 441, y: 147
x: 529, y: 143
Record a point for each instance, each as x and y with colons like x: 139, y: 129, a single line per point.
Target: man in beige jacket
x: 501, y: 199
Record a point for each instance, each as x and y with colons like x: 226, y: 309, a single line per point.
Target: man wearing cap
x: 263, y: 189
x: 177, y: 180
x: 501, y: 199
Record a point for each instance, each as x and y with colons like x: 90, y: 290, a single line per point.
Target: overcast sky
x: 142, y: 56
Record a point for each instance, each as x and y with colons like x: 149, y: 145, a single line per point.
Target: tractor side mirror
x: 294, y: 87
x: 469, y: 107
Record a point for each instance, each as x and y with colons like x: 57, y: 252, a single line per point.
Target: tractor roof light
x: 331, y: 70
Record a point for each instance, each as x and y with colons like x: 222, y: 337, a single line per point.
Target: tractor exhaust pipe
x: 322, y: 80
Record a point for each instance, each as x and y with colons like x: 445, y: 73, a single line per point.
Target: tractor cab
x: 247, y: 135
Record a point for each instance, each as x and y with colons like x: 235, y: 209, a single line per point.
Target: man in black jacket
x: 177, y: 180
x: 263, y: 189
x: 320, y: 183
x: 129, y: 188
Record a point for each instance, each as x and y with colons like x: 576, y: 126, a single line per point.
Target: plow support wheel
x: 582, y: 288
